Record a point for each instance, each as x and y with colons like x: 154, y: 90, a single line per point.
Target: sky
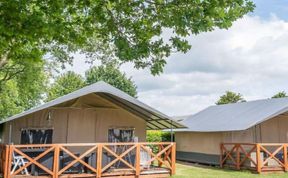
x: 250, y: 58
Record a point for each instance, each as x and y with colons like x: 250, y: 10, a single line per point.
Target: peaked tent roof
x: 235, y: 117
x: 154, y: 118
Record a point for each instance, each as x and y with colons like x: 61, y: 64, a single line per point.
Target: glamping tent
x: 260, y: 121
x: 98, y: 117
x: 85, y: 116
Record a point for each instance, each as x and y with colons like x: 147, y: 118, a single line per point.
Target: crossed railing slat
x: 228, y: 154
x: 33, y: 161
x: 237, y: 149
x: 77, y: 159
x: 247, y: 155
x: 272, y: 155
x: 260, y: 163
x: 119, y: 158
x: 167, y: 155
x: 157, y: 156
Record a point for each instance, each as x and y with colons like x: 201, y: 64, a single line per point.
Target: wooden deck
x: 89, y: 160
x: 258, y: 157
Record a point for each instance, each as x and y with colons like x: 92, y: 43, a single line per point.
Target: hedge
x: 158, y: 136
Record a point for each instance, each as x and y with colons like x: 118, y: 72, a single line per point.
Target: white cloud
x: 250, y: 58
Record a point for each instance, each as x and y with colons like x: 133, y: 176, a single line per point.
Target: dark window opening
x: 121, y: 135
x: 36, y: 136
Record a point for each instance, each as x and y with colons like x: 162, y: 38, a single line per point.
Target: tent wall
x: 77, y: 125
x: 274, y: 130
x: 198, y: 147
x: 245, y: 136
x: 198, y: 142
x: 204, y: 147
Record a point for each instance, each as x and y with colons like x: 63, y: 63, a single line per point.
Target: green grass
x: 190, y: 170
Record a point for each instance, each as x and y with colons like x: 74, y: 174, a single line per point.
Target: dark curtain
x: 36, y: 136
x: 120, y: 135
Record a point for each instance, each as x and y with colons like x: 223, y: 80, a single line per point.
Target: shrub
x: 157, y: 136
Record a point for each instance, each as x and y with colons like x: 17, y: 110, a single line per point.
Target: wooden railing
x: 55, y: 160
x: 261, y: 157
x: 2, y: 158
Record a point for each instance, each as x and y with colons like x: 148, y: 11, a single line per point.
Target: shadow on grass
x: 215, y: 168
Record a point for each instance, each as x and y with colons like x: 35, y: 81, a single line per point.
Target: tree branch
x: 4, y: 59
x: 11, y: 72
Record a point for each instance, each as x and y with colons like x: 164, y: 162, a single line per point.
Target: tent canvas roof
x: 235, y: 117
x: 154, y: 118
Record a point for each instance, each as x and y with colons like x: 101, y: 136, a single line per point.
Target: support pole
x: 171, y: 132
x: 10, y: 134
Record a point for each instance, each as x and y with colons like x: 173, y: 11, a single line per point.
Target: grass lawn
x: 189, y: 170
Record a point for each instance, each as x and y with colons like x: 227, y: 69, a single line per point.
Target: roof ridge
x: 257, y: 100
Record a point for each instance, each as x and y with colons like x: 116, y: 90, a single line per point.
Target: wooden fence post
x: 56, y: 161
x: 173, y: 159
x: 137, y: 162
x: 99, y: 160
x: 9, y: 162
x: 238, y: 156
x: 221, y: 155
x: 258, y: 158
x: 6, y: 161
x: 285, y: 157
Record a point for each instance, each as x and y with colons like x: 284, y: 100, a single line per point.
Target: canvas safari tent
x: 96, y: 116
x: 86, y: 115
x: 222, y: 132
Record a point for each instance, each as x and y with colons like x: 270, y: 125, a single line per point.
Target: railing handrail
x: 249, y: 143
x: 91, y: 144
x: 232, y: 143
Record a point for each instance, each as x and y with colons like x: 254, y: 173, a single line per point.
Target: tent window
x: 121, y: 135
x: 36, y: 136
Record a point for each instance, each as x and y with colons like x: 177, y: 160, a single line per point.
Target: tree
x: 281, y: 94
x: 230, y: 97
x: 70, y: 81
x: 112, y: 75
x: 124, y: 31
x: 23, y: 91
x: 9, y: 100
x: 65, y: 84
